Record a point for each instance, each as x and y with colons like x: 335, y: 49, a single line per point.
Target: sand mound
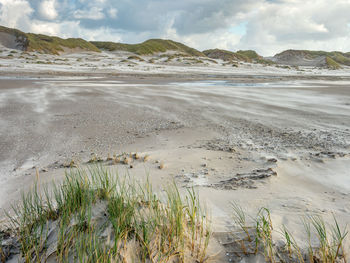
x: 10, y: 41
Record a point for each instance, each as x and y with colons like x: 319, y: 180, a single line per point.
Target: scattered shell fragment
x: 95, y: 159
x: 146, y: 158
x: 161, y: 166
x: 109, y: 158
x: 127, y: 160
x: 71, y: 164
x: 136, y: 156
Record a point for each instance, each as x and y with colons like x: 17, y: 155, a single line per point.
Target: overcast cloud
x: 268, y: 26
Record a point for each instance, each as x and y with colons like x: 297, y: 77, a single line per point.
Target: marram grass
x: 94, y: 216
x: 330, y: 237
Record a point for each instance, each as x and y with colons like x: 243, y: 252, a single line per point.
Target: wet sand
x: 221, y: 135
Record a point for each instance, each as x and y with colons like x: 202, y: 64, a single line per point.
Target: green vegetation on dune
x: 12, y: 31
x: 241, y: 55
x: 54, y: 45
x: 47, y: 44
x: 148, y: 47
x: 331, y: 64
x: 259, y: 234
x: 225, y: 55
x: 341, y: 58
x: 96, y: 216
x: 255, y: 57
x: 334, y: 59
x: 249, y: 53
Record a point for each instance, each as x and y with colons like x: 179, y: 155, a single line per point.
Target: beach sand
x: 281, y: 142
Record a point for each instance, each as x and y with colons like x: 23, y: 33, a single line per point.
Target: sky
x: 267, y: 26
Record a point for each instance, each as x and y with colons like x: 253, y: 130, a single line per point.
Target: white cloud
x: 269, y: 26
x: 217, y: 39
x: 47, y: 9
x: 69, y: 29
x: 94, y: 13
x: 298, y: 24
x: 113, y: 12
x: 47, y: 28
x: 15, y: 13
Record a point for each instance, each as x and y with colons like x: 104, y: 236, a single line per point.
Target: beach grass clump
x: 136, y: 58
x: 330, y: 237
x: 96, y: 216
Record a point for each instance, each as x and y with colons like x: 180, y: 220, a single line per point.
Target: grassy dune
x: 54, y: 45
x: 225, y: 55
x: 47, y: 44
x: 149, y: 47
x: 334, y: 59
x: 241, y: 55
x: 331, y: 64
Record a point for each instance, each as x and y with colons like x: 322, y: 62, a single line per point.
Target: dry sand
x: 280, y: 141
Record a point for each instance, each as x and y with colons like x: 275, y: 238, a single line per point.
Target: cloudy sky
x: 268, y: 26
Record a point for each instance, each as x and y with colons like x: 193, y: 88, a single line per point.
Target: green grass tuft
x: 92, y: 202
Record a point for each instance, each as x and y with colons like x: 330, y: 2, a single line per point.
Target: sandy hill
x: 241, y: 55
x: 16, y: 39
x: 13, y: 38
x: 332, y: 60
x: 149, y: 47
